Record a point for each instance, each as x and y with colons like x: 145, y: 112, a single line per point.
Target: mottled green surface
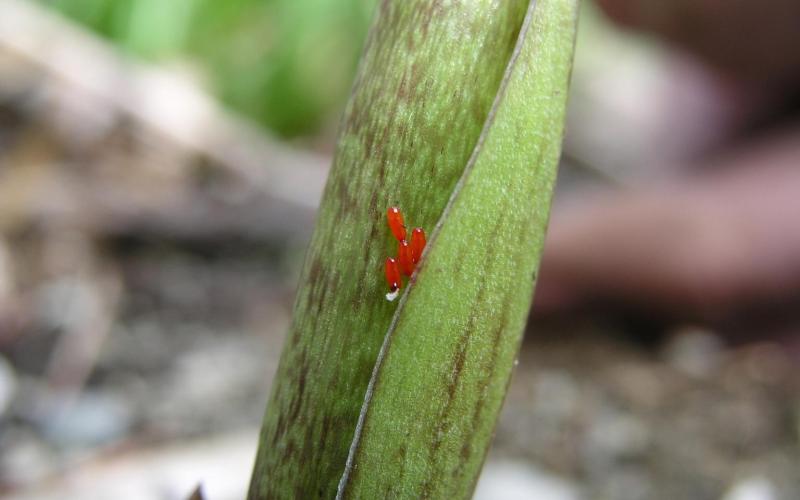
x: 430, y: 74
x: 448, y: 361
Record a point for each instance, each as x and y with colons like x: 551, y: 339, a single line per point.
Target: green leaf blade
x: 444, y: 370
x: 425, y: 86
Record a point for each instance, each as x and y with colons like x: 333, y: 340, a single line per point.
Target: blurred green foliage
x: 287, y: 64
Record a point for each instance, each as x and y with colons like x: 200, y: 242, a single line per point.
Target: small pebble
x: 694, y: 351
x: 8, y: 385
x: 751, y: 488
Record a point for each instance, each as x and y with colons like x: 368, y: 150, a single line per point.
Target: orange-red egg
x: 404, y: 258
x: 392, y: 274
x: 417, y: 244
x: 395, y: 218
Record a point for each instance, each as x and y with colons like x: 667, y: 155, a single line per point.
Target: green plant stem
x: 456, y: 116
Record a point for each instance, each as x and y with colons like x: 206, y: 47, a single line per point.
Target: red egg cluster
x: 408, y: 252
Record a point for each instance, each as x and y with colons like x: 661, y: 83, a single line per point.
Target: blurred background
x: 160, y: 167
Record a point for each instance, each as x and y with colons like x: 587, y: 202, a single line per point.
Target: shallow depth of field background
x: 160, y: 165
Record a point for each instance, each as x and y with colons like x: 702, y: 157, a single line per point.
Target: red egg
x: 395, y: 218
x: 417, y: 244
